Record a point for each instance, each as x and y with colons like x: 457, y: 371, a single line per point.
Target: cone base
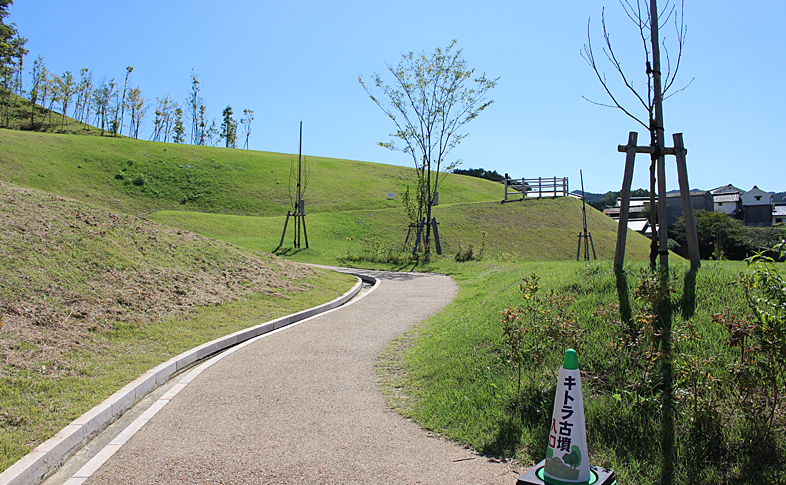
x: 599, y: 476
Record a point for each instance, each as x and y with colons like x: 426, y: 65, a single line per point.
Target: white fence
x: 537, y: 187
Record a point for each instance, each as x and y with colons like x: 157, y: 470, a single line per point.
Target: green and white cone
x: 566, y: 454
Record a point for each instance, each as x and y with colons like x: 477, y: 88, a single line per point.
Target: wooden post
x: 687, y: 209
x: 436, y: 235
x: 627, y: 180
x: 283, y: 234
x: 417, y: 238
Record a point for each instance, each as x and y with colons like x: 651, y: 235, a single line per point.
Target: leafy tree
x: 573, y: 458
x: 83, y: 89
x: 65, y: 89
x: 179, y: 130
x: 12, y: 52
x: 610, y: 198
x: 138, y: 110
x: 38, y: 78
x: 229, y: 128
x: 430, y: 98
x: 480, y: 173
x: 719, y: 235
x: 102, y: 96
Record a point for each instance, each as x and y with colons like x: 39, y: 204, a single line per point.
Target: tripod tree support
x: 586, y: 235
x: 679, y: 152
x: 428, y: 227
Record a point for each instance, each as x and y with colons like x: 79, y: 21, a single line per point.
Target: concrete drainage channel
x: 80, y: 448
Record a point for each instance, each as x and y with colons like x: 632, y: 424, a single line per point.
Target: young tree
x: 66, y: 89
x: 248, y: 117
x: 196, y: 110
x: 649, y: 20
x: 38, y: 78
x: 430, y: 98
x: 102, y: 96
x: 646, y: 17
x: 129, y: 69
x: 83, y: 90
x: 179, y: 130
x: 137, y: 109
x: 229, y: 128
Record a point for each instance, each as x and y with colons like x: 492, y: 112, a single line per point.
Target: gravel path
x: 302, y: 406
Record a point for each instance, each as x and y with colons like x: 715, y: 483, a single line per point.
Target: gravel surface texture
x: 303, y: 406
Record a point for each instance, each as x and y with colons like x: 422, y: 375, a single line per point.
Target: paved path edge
x: 32, y: 468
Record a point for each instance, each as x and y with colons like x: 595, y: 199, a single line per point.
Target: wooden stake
x: 687, y: 209
x: 627, y: 180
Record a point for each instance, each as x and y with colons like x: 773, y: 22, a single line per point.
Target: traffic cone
x: 567, y: 460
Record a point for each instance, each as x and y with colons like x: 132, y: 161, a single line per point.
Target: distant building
x: 779, y: 214
x: 637, y: 214
x: 728, y: 199
x: 699, y: 200
x: 757, y: 207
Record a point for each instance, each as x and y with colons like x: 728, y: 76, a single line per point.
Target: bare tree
x: 658, y: 87
x: 649, y: 20
x: 248, y: 117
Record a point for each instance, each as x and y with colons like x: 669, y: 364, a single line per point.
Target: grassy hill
x: 140, y: 176
x: 201, y: 188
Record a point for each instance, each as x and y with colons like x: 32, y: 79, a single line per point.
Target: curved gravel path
x: 302, y: 406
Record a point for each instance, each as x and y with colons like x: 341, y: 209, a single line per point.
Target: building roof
x: 727, y: 189
x: 726, y: 198
x: 693, y: 193
x: 638, y: 225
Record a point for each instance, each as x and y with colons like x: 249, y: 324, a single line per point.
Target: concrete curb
x: 46, y: 457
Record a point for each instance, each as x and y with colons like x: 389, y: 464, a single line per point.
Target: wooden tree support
x: 428, y: 226
x: 587, y: 243
x: 679, y: 152
x: 586, y: 234
x: 300, y: 226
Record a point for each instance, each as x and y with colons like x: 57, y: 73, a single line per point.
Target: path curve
x: 302, y: 406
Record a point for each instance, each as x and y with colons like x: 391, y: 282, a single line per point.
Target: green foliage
x: 723, y: 237
x: 542, y: 323
x: 480, y: 173
x: 431, y: 98
x: 460, y: 370
x: 610, y: 198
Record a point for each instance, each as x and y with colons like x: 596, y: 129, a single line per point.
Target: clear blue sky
x: 299, y: 61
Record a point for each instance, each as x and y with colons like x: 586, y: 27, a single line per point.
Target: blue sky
x: 299, y: 61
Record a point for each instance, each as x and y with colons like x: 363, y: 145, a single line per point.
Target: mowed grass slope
x: 202, y: 188
x: 529, y: 230
x: 137, y: 176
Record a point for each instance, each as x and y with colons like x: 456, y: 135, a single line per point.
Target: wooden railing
x: 537, y: 187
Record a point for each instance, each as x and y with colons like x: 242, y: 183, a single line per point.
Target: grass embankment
x: 451, y: 374
x: 204, y: 189
x: 136, y: 176
x: 529, y: 230
x: 90, y: 299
